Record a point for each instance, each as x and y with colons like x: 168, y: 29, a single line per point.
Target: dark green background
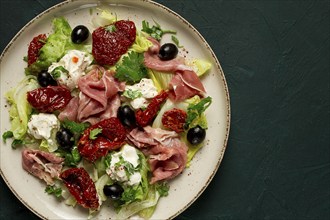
x: 275, y: 55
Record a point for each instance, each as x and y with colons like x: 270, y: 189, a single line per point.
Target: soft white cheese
x: 75, y: 62
x: 117, y: 171
x: 41, y: 126
x: 148, y: 90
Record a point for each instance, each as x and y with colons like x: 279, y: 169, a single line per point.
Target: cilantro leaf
x: 93, y: 133
x: 132, y: 69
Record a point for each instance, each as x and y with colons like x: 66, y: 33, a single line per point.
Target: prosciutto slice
x: 70, y: 111
x: 152, y: 61
x: 98, y: 98
x: 185, y: 84
x: 151, y: 136
x: 167, y: 154
x: 167, y: 162
x: 44, y: 165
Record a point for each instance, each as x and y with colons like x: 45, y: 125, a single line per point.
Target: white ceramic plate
x: 184, y: 189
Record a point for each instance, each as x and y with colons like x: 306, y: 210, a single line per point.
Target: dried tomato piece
x: 34, y: 48
x: 113, y: 129
x: 174, y: 119
x: 111, y: 137
x: 143, y: 118
x: 49, y: 99
x: 81, y: 187
x: 112, y: 41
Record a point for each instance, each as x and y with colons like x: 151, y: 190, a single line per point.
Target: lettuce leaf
x: 199, y: 66
x: 57, y: 44
x: 54, y: 48
x: 195, y: 108
x: 103, y: 18
x: 20, y: 109
x: 161, y: 80
x: 141, y: 43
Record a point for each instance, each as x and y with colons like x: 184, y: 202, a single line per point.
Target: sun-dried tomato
x: 143, y: 118
x: 81, y: 187
x: 112, y: 41
x: 174, y: 119
x: 111, y: 137
x: 49, y: 99
x: 34, y: 48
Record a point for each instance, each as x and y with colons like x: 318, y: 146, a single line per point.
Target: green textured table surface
x: 275, y: 55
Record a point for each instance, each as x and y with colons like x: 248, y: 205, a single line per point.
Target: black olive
x: 79, y: 34
x: 196, y: 135
x: 45, y: 79
x: 168, y: 51
x: 65, y: 139
x: 126, y: 116
x: 113, y: 191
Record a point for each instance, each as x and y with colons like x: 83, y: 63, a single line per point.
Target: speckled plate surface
x: 184, y: 189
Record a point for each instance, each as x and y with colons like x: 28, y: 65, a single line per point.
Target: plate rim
x: 218, y: 66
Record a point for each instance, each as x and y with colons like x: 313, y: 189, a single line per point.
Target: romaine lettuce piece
x: 20, y: 109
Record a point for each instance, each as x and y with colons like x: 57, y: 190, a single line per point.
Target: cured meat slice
x: 185, y: 84
x: 152, y: 61
x: 167, y: 162
x: 44, y: 165
x: 98, y: 99
x: 149, y: 136
x: 167, y: 154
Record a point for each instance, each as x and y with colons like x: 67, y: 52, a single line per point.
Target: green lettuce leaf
x: 161, y: 80
x: 20, y: 109
x: 141, y: 43
x: 57, y: 44
x: 54, y: 48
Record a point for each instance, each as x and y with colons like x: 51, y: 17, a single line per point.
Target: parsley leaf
x: 132, y: 94
x: 75, y: 127
x: 155, y: 31
x: 93, y: 133
x: 57, y: 191
x: 195, y: 111
x: 176, y: 41
x: 6, y: 135
x: 57, y: 72
x: 72, y: 158
x: 132, y: 69
x: 162, y: 189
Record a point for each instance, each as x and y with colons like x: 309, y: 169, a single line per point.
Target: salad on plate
x: 110, y: 114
